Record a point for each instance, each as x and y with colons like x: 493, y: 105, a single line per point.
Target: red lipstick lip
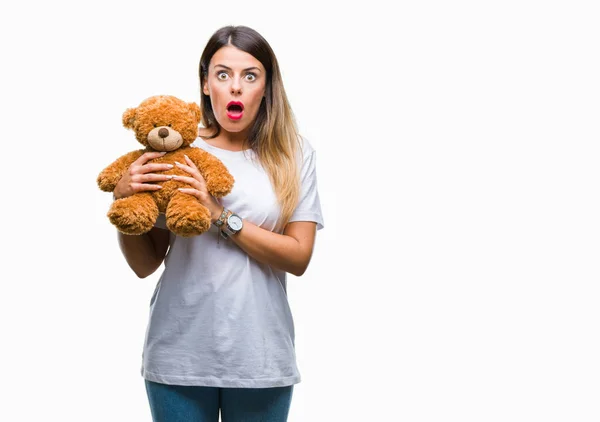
x: 238, y: 103
x: 235, y: 116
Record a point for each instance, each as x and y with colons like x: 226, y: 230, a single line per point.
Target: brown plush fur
x: 151, y: 121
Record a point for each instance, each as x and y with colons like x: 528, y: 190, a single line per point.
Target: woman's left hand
x: 198, y: 188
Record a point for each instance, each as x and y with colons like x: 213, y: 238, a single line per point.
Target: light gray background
x: 457, y: 276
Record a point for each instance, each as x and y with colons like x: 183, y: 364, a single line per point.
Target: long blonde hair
x: 274, y: 136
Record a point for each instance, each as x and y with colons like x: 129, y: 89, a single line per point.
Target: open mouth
x: 235, y: 110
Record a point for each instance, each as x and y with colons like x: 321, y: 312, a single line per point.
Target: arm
x: 145, y: 253
x: 290, y: 251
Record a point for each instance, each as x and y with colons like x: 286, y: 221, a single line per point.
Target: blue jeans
x: 177, y: 403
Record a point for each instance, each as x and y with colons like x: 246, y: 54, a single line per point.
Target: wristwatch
x: 233, y: 224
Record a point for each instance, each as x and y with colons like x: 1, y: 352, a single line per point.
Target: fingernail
x: 170, y: 166
x: 178, y: 163
x: 163, y: 152
x: 186, y: 156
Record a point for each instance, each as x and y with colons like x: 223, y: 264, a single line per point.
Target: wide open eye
x: 250, y: 77
x: 222, y: 76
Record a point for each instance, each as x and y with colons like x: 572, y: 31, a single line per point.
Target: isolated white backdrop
x: 457, y: 276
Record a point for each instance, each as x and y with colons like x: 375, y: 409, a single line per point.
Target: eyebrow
x: 245, y: 70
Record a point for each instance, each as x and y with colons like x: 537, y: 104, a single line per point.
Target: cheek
x: 217, y: 95
x: 256, y: 96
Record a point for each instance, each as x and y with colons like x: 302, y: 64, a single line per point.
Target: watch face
x: 235, y: 222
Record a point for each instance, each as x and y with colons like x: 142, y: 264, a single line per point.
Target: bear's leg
x: 186, y: 216
x: 135, y: 214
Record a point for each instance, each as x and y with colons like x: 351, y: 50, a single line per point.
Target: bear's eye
x: 169, y: 124
x: 154, y: 124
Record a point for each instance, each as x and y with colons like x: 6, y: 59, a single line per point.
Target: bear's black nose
x: 163, y: 132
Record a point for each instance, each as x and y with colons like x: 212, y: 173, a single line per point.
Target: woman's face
x: 235, y: 84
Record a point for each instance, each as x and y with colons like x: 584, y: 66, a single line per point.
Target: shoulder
x: 306, y: 149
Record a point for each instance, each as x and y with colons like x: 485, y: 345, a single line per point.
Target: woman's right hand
x: 139, y: 176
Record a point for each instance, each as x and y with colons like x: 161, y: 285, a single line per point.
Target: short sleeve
x: 309, y: 204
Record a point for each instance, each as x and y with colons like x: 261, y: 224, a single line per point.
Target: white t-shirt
x: 219, y: 318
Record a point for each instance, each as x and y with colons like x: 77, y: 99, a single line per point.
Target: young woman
x: 221, y: 335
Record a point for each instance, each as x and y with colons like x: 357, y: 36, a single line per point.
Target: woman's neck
x: 232, y: 141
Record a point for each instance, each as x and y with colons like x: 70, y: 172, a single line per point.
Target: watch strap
x: 221, y: 220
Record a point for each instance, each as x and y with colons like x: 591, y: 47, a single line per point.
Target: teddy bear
x: 165, y: 123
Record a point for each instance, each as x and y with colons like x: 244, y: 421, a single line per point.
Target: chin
x: 234, y: 128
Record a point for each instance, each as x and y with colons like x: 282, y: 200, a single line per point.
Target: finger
x: 198, y: 184
x: 142, y: 187
x: 147, y: 156
x: 201, y: 195
x: 184, y: 167
x: 191, y: 170
x: 189, y: 162
x: 151, y: 177
x: 152, y: 167
x: 190, y: 191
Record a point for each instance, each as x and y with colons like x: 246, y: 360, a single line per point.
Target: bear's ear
x: 129, y: 117
x: 195, y: 109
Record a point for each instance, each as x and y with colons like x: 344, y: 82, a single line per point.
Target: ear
x: 195, y: 109
x: 129, y: 117
x: 205, y: 88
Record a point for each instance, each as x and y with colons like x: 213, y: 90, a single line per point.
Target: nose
x: 236, y: 88
x: 163, y: 132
